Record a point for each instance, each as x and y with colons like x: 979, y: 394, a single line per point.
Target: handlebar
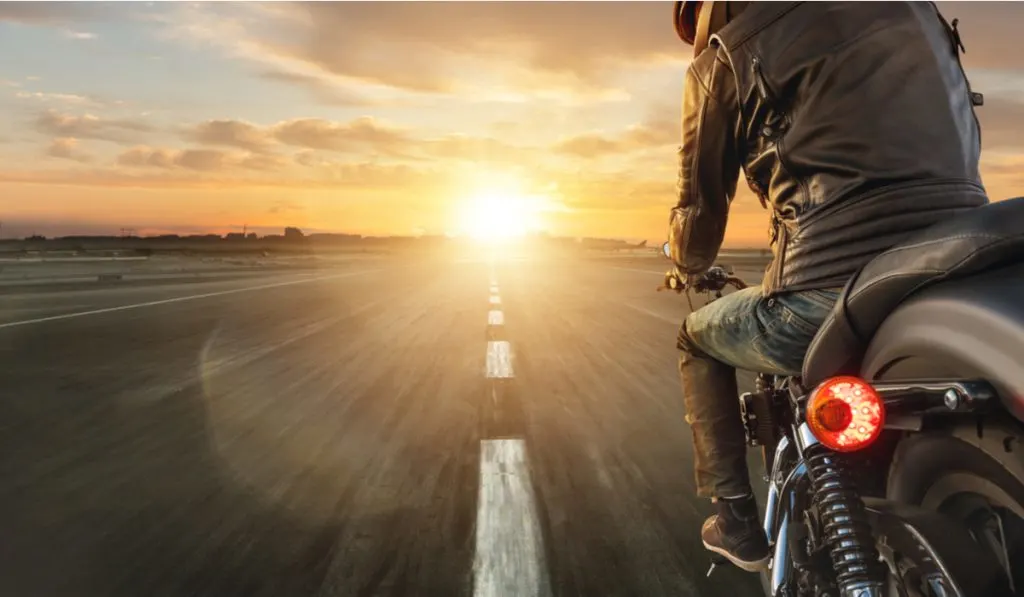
x: 714, y: 280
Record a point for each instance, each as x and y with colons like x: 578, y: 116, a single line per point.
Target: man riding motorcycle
x: 854, y: 125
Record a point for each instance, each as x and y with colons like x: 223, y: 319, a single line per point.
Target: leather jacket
x: 853, y: 122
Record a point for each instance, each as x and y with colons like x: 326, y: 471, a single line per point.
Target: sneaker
x: 735, y: 533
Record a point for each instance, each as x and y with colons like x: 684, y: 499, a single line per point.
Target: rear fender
x: 971, y: 328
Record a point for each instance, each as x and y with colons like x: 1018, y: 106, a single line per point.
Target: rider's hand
x: 676, y: 280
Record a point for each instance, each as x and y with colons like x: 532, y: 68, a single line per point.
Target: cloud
x: 284, y: 206
x: 50, y: 13
x: 67, y: 148
x: 264, y: 162
x: 317, y: 138
x: 1002, y: 124
x: 88, y: 126
x: 356, y: 136
x: 1003, y: 175
x: 554, y: 38
x: 202, y: 160
x: 322, y: 90
x: 80, y: 35
x: 305, y: 168
x: 230, y: 133
x: 146, y: 167
x: 648, y: 135
x: 476, y: 149
x: 483, y: 51
x: 359, y: 134
x: 616, y: 192
x: 68, y: 98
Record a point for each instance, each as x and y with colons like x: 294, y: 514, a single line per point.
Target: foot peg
x: 716, y: 561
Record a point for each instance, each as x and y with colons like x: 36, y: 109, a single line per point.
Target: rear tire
x: 948, y: 475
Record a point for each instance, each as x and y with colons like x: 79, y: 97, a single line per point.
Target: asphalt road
x: 370, y: 430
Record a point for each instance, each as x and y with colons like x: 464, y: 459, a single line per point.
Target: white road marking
x: 675, y: 320
x: 509, y: 559
x: 495, y: 299
x: 642, y: 271
x: 179, y: 299
x: 499, y: 359
x: 494, y: 288
x: 495, y: 318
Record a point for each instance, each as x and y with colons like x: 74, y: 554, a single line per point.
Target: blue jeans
x: 743, y: 330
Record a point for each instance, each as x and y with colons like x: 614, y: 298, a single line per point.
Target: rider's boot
x: 736, y: 534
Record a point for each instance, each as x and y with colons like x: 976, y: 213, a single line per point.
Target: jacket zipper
x: 976, y: 99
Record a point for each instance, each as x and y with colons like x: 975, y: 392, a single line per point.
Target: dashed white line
x: 495, y: 318
x: 179, y: 299
x: 509, y: 557
x: 499, y: 359
x: 494, y: 289
x: 495, y: 299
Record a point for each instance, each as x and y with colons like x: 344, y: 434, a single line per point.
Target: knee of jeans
x: 685, y: 342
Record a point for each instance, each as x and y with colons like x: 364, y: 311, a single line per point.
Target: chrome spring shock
x: 846, y: 530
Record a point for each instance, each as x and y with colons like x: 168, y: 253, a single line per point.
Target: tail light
x: 846, y: 414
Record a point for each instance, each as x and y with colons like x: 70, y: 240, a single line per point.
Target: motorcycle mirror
x: 666, y: 251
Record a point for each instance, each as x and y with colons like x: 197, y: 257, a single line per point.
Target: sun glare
x: 496, y: 216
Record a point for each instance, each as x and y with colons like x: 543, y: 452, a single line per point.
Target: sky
x: 379, y: 118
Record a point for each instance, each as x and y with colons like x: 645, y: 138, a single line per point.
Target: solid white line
x: 495, y: 318
x: 499, y: 359
x: 509, y: 558
x: 178, y: 299
x: 495, y: 299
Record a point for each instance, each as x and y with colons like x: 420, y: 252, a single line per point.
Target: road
x: 466, y: 428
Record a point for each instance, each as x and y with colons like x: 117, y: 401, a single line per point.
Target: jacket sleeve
x: 709, y: 163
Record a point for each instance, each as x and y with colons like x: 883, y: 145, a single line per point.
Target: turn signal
x: 846, y: 414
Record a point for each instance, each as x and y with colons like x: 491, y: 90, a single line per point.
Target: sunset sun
x: 497, y: 216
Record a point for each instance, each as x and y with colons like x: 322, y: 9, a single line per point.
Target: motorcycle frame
x: 789, y: 492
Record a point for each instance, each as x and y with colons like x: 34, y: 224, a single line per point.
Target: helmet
x: 695, y: 22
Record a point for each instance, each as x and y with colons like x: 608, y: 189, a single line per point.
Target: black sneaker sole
x: 755, y: 566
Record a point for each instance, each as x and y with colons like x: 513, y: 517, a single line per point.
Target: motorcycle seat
x: 975, y: 241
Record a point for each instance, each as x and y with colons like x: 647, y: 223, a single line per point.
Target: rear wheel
x: 944, y: 474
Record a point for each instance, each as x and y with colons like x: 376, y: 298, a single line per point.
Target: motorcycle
x: 895, y: 460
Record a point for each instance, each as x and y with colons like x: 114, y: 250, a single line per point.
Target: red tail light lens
x: 846, y: 414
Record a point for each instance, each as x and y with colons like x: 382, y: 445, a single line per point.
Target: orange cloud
x: 649, y: 135
x: 1002, y: 123
x: 322, y: 90
x: 47, y: 13
x: 88, y: 126
x: 362, y: 133
x: 67, y: 148
x: 199, y: 160
x: 483, y: 51
x: 230, y: 133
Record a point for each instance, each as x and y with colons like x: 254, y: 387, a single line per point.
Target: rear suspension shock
x: 847, y: 533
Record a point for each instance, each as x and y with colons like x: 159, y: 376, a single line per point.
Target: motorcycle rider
x: 854, y: 124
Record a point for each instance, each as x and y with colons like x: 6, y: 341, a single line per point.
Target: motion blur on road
x: 320, y: 432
